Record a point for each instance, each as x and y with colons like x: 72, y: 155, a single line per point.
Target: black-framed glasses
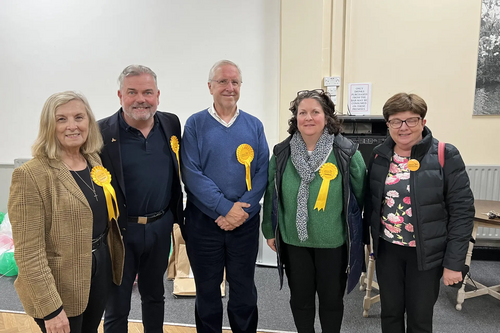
x: 318, y: 91
x: 410, y: 122
x: 225, y: 82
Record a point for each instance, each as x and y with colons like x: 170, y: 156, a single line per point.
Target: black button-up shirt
x: 147, y: 169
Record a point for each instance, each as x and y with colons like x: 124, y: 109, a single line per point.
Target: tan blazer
x: 52, y: 230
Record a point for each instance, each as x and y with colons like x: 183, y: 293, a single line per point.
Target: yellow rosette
x: 328, y: 171
x: 174, y: 143
x: 101, y: 176
x: 245, y: 154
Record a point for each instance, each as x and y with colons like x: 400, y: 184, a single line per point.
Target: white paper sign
x: 360, y: 98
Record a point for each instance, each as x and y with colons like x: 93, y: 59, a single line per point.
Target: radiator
x: 485, y: 184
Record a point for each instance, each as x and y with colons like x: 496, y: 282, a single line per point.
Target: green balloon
x: 8, y: 265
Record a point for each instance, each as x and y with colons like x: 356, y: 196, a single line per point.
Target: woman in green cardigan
x: 312, y: 175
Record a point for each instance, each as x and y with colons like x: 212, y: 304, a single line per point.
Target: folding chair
x: 366, y: 282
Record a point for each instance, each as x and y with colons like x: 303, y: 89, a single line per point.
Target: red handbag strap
x: 441, y: 153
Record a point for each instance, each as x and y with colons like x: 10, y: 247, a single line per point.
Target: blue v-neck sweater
x: 214, y: 179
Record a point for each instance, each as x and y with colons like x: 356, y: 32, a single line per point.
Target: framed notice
x: 360, y: 99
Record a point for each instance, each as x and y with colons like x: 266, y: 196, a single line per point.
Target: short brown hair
x: 332, y: 122
x: 47, y: 144
x: 404, y: 102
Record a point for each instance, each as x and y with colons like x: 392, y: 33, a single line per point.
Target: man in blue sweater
x: 224, y: 168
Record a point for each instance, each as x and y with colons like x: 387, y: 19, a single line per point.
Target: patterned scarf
x: 306, y: 166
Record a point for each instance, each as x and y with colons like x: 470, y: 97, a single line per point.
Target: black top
x: 99, y: 208
x: 147, y: 169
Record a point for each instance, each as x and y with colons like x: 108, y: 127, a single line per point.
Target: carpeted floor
x: 479, y: 315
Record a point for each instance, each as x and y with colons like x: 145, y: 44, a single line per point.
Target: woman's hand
x: 272, y: 244
x: 58, y: 324
x: 451, y: 277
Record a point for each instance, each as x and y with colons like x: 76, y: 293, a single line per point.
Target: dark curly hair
x: 332, y: 122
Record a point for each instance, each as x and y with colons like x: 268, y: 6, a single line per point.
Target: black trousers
x: 210, y: 249
x: 403, y: 288
x: 147, y: 247
x: 310, y: 271
x: 100, y: 286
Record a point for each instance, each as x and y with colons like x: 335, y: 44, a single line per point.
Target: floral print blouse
x: 396, y: 210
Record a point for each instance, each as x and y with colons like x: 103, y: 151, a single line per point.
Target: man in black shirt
x: 141, y: 149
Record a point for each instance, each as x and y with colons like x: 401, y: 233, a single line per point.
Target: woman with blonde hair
x: 68, y: 245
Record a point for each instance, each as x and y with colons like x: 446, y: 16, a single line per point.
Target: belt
x: 97, y: 242
x: 148, y: 219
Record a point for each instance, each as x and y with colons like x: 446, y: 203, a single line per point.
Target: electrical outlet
x: 332, y: 90
x: 331, y: 81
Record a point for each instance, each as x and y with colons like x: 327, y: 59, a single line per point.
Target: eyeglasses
x: 318, y: 91
x: 410, y: 122
x: 225, y: 82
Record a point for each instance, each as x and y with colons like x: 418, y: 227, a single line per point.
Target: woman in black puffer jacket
x: 420, y: 208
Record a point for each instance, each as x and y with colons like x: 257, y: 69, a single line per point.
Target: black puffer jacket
x: 441, y: 200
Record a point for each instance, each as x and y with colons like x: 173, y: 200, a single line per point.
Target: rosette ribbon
x: 327, y: 172
x: 101, y: 176
x: 174, y: 143
x: 245, y: 154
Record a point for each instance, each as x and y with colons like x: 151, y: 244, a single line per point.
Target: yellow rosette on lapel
x: 328, y: 171
x: 101, y: 176
x: 245, y: 154
x: 174, y: 143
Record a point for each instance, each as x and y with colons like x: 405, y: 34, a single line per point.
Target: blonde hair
x: 47, y: 144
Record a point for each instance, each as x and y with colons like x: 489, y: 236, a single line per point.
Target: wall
x: 5, y: 176
x: 305, y: 50
x: 425, y: 47
x: 55, y: 45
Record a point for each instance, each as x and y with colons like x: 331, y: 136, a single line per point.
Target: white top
x: 214, y: 114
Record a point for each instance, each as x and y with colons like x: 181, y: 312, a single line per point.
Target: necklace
x: 91, y: 188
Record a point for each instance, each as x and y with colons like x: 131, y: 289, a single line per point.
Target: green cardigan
x: 325, y: 228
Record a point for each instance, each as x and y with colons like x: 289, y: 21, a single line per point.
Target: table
x: 480, y: 220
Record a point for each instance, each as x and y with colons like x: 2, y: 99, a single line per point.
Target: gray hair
x: 219, y: 64
x: 136, y: 70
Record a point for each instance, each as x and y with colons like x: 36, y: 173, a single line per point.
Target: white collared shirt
x: 214, y: 114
